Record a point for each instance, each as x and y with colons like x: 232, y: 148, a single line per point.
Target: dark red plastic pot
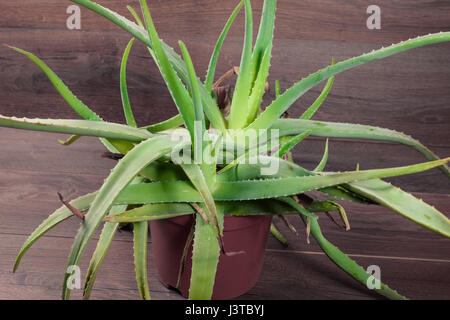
x: 235, y: 275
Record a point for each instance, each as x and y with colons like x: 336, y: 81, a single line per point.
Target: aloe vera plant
x: 222, y: 175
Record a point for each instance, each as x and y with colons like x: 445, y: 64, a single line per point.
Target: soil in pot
x: 235, y: 275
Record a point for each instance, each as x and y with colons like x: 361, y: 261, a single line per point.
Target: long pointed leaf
x: 174, y: 84
x: 152, y: 212
x: 63, y: 213
x: 78, y: 127
x: 269, y: 188
x: 342, y: 260
x: 171, y: 123
x: 214, y: 57
x: 136, y: 16
x: 277, y: 89
x: 403, y: 203
x: 264, y: 38
x: 205, y: 257
x: 106, y: 237
x: 199, y: 124
x: 182, y: 191
x: 324, y: 159
x: 257, y: 92
x: 69, y: 141
x: 129, y: 117
x: 108, y: 232
x: 285, y: 148
x: 76, y: 104
x: 127, y: 168
x: 318, y: 102
x: 280, y: 105
x: 200, y: 183
x: 237, y: 208
x: 140, y: 232
x: 348, y: 130
x: 239, y: 105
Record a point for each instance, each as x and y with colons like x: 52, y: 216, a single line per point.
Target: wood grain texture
x: 408, y: 92
x: 339, y: 20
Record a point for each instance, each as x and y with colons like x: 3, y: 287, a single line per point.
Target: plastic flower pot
x: 235, y: 275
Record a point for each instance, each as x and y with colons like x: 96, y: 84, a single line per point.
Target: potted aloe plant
x: 211, y: 178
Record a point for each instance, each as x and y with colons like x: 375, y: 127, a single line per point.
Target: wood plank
x: 41, y: 273
x: 306, y: 276
x: 317, y: 20
x: 40, y: 151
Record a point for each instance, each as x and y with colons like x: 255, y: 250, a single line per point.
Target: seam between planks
x: 360, y: 256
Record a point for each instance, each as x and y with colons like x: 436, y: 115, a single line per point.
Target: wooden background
x: 408, y: 92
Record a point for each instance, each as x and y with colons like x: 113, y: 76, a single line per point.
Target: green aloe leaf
x: 182, y: 191
x: 257, y: 92
x: 204, y: 188
x: 237, y: 208
x: 348, y: 130
x: 248, y: 171
x: 269, y: 188
x: 340, y: 192
x: 106, y: 237
x: 136, y: 16
x: 277, y: 89
x: 163, y: 171
x: 152, y: 212
x: 323, y: 95
x: 129, y: 117
x: 284, y: 101
x: 323, y: 161
x: 171, y: 123
x: 205, y: 257
x: 291, y: 143
x: 264, y: 39
x: 179, y: 93
x: 77, y: 105
x: 140, y: 232
x: 403, y: 203
x: 349, y: 265
x: 126, y: 169
x: 274, y: 207
x: 215, y: 56
x: 261, y: 56
x: 342, y: 260
x: 103, y: 129
x: 199, y: 125
x: 303, y: 212
x: 239, y: 105
x: 278, y: 235
x: 63, y: 213
x: 69, y: 141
